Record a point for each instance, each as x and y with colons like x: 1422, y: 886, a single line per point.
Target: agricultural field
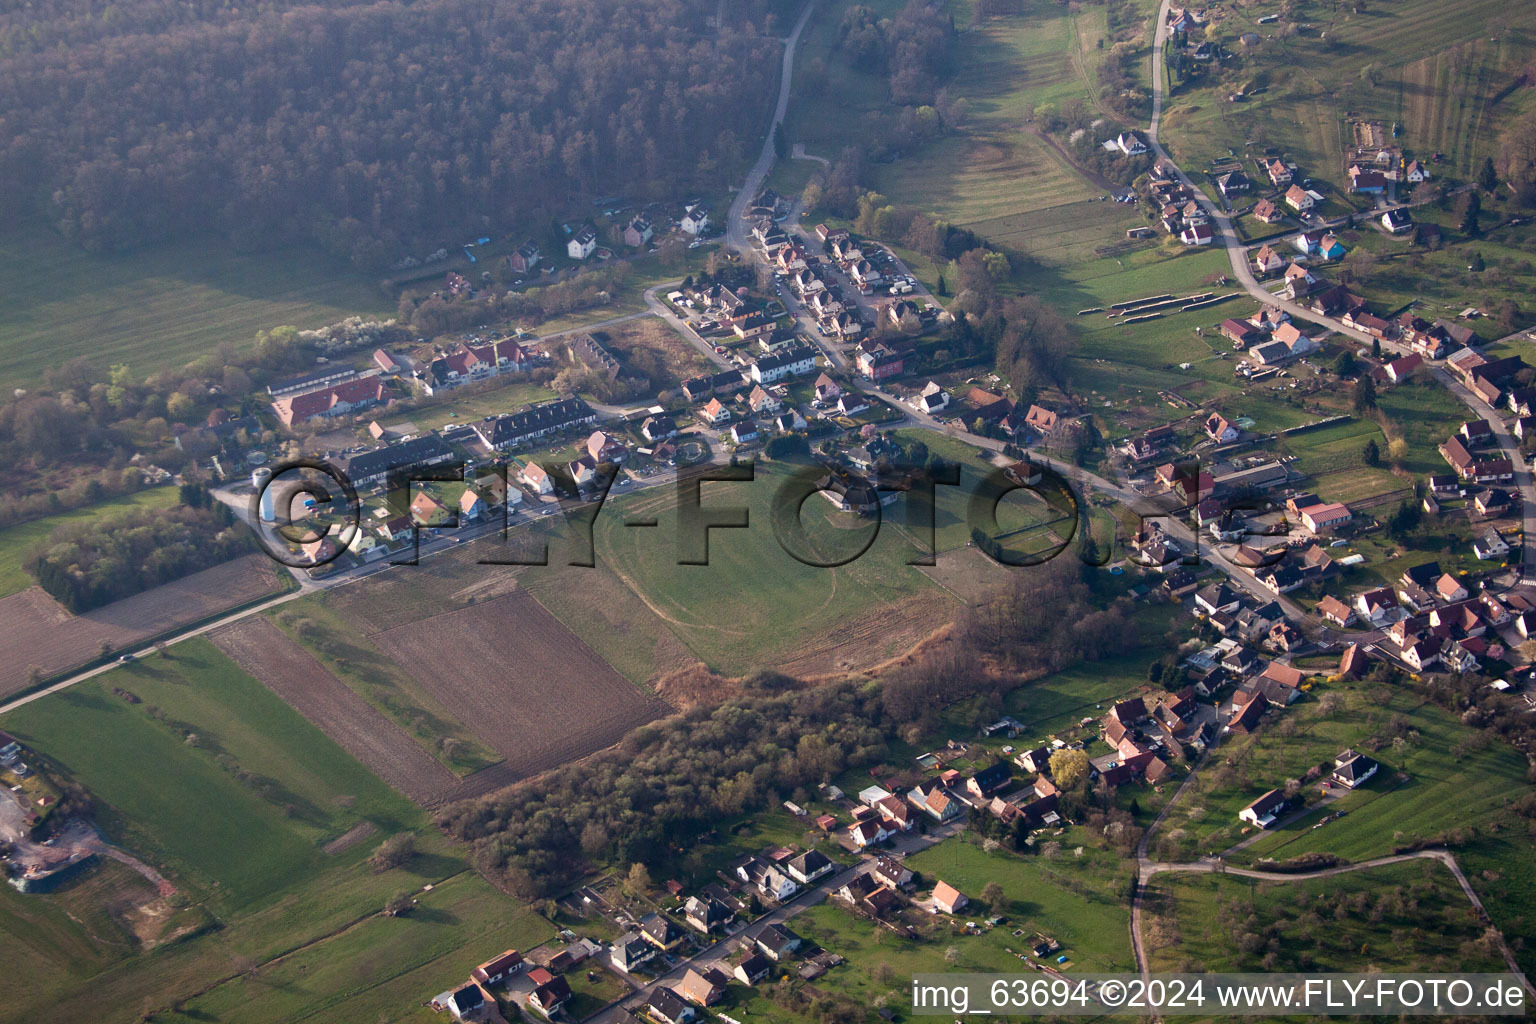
x: 527, y: 686
x: 18, y: 542
x: 323, y: 626
x: 1408, y: 916
x: 996, y: 175
x: 253, y: 835
x: 263, y: 825
x: 359, y: 728
x: 42, y: 639
x: 1446, y: 74
x: 158, y: 308
x: 384, y: 969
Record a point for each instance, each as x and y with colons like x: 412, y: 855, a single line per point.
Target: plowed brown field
x: 524, y: 683
x: 39, y: 633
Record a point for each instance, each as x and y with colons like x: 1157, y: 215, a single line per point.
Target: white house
x: 932, y: 399
x: 534, y: 477
x: 1131, y: 143
x: 1264, y: 811
x: 696, y: 220
x: 582, y: 244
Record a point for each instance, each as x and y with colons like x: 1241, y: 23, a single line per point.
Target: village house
x: 753, y: 969
x: 777, y: 942
x: 813, y: 864
x: 1219, y: 429
x: 707, y: 914
x: 947, y: 899
x: 1264, y: 811
x: 661, y: 932
x: 1267, y: 260
x: 1267, y: 212
x: 696, y: 219
x: 550, y: 992
x: 629, y: 951
x: 704, y: 988
x: 1131, y: 143
x: 934, y: 800
x: 1352, y: 769
x: 1298, y: 199
x: 667, y: 1007
x: 990, y: 780
x: 638, y: 231
x: 1279, y: 172
x: 582, y: 244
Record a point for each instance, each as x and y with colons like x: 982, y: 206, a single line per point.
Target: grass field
x: 754, y: 604
x: 1437, y: 775
x: 17, y: 542
x: 383, y: 969
x: 158, y: 308
x: 249, y: 839
x: 1435, y: 69
x: 1440, y: 283
x: 248, y: 852
x: 1399, y: 917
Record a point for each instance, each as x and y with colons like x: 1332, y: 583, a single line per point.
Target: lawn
x: 466, y: 405
x: 1398, y: 917
x: 158, y: 308
x: 164, y: 773
x: 18, y: 542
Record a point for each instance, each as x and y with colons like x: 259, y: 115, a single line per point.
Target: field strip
x: 291, y: 672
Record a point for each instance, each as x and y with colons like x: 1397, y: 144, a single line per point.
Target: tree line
x: 87, y: 565
x: 380, y: 129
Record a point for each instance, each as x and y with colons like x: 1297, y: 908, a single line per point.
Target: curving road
x: 735, y: 227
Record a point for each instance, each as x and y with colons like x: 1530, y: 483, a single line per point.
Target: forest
x: 379, y: 130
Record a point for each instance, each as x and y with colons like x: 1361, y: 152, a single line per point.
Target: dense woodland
x: 87, y: 565
x: 379, y: 129
x: 674, y: 779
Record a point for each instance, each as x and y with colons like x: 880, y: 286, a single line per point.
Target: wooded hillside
x: 379, y: 129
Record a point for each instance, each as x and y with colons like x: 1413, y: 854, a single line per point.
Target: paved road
x: 735, y: 226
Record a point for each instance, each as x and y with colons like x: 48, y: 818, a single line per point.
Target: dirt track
x: 292, y: 673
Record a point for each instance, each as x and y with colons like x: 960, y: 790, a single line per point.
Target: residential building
x: 1264, y: 811
x: 530, y: 424
x: 582, y: 243
x: 947, y: 899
